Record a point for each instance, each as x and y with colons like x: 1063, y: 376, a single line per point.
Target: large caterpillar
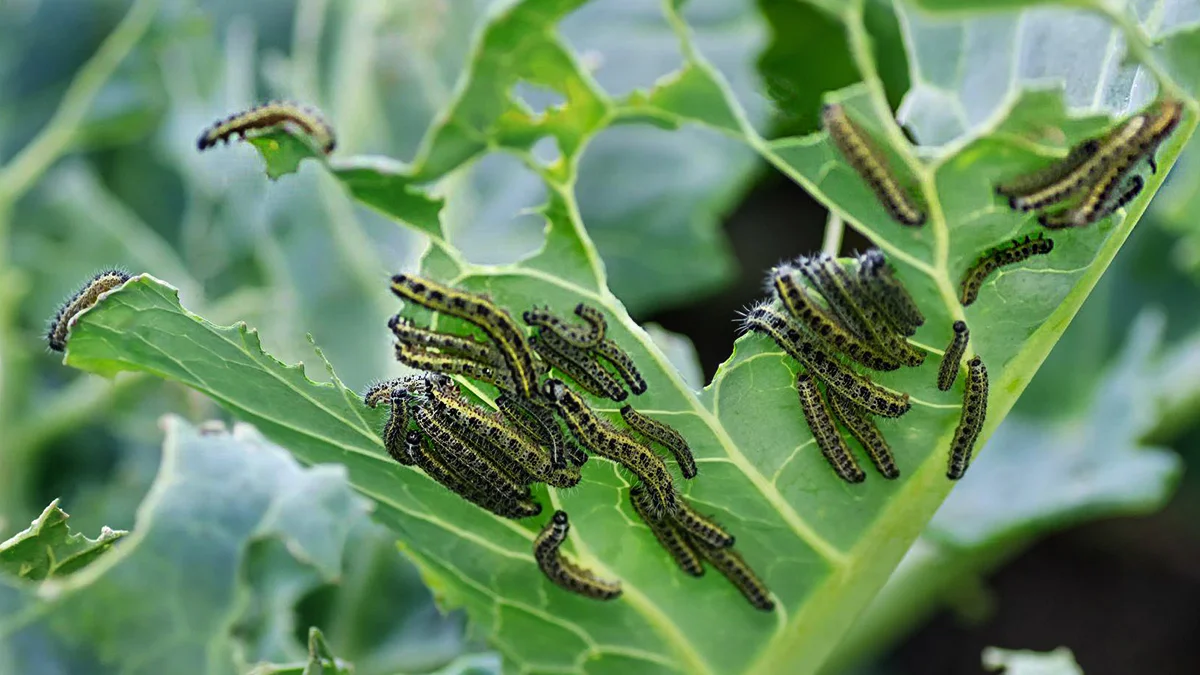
x: 858, y: 151
x: 1014, y: 252
x: 266, y: 116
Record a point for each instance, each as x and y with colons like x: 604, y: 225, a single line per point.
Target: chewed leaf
x: 48, y: 548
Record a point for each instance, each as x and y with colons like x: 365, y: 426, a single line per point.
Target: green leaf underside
x: 823, y: 547
x: 48, y: 547
x: 217, y: 496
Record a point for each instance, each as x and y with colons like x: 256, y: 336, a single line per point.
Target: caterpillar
x: 1041, y: 180
x: 729, y: 563
x: 395, y: 394
x: 452, y: 345
x: 597, y: 436
x: 952, y: 358
x: 866, y: 433
x: 464, y: 460
x: 876, y: 399
x: 858, y: 151
x: 594, y: 317
x: 974, y: 412
x: 889, y: 294
x: 797, y: 302
x: 579, y: 366
x: 417, y: 448
x: 665, y: 435
x: 1014, y: 252
x: 82, y: 299
x: 1129, y: 190
x: 564, y: 573
x: 583, y: 338
x: 624, y: 365
x: 436, y: 362
x: 1079, y: 176
x: 482, y: 312
x: 538, y: 423
x: 829, y: 440
x: 699, y: 527
x: 268, y: 115
x: 668, y: 536
x: 842, y: 290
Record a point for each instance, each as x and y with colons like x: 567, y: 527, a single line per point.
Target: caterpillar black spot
x: 952, y: 358
x: 82, y: 299
x: 1014, y: 252
x: 482, y: 312
x: 664, y: 434
x: 974, y: 412
x: 270, y: 115
x: 564, y: 573
x: 858, y: 151
x: 860, y: 426
x: 829, y: 440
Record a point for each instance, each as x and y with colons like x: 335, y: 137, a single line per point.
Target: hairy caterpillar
x: 858, y: 151
x: 447, y: 343
x: 564, y: 573
x: 420, y: 358
x: 974, y: 412
x: 952, y: 359
x: 876, y: 399
x: 829, y: 440
x: 599, y: 437
x: 578, y: 364
x: 664, y: 434
x: 889, y: 294
x: 866, y: 433
x: 729, y: 563
x: 700, y: 528
x: 482, y: 312
x: 624, y: 365
x: 582, y: 338
x: 82, y: 299
x: 1014, y: 252
x: 668, y: 535
x: 1039, y: 181
x: 460, y: 457
x: 269, y: 115
x: 417, y: 447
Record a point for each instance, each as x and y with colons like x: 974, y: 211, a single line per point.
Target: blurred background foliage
x: 685, y: 220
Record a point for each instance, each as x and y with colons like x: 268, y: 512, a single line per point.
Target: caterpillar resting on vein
x: 974, y: 412
x: 269, y: 115
x: 859, y: 152
x: 952, y: 358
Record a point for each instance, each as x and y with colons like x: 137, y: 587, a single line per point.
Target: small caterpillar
x: 974, y: 412
x: 436, y: 362
x: 952, y: 358
x: 1040, y: 180
x: 82, y: 299
x: 269, y: 115
x: 538, y: 423
x: 452, y: 345
x: 668, y: 535
x: 798, y: 303
x: 594, y: 317
x: 1014, y: 252
x: 862, y: 156
x: 564, y: 573
x: 829, y: 440
x: 664, y: 434
x: 1112, y: 190
x: 1079, y: 176
x: 458, y: 455
x: 624, y: 365
x: 878, y: 280
x: 483, y: 313
x: 699, y: 527
x: 596, y: 435
x: 417, y: 448
x: 863, y: 391
x: 579, y: 366
x: 395, y: 394
x: 836, y: 283
x: 583, y: 338
x: 729, y: 563
x: 866, y: 433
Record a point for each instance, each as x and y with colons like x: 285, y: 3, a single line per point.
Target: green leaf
x: 173, y: 591
x: 823, y: 547
x: 48, y: 548
x: 321, y: 661
x: 1021, y: 662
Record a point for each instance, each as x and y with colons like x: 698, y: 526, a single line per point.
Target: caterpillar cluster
x: 1097, y: 176
x: 268, y: 116
x: 492, y: 458
x: 829, y: 317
